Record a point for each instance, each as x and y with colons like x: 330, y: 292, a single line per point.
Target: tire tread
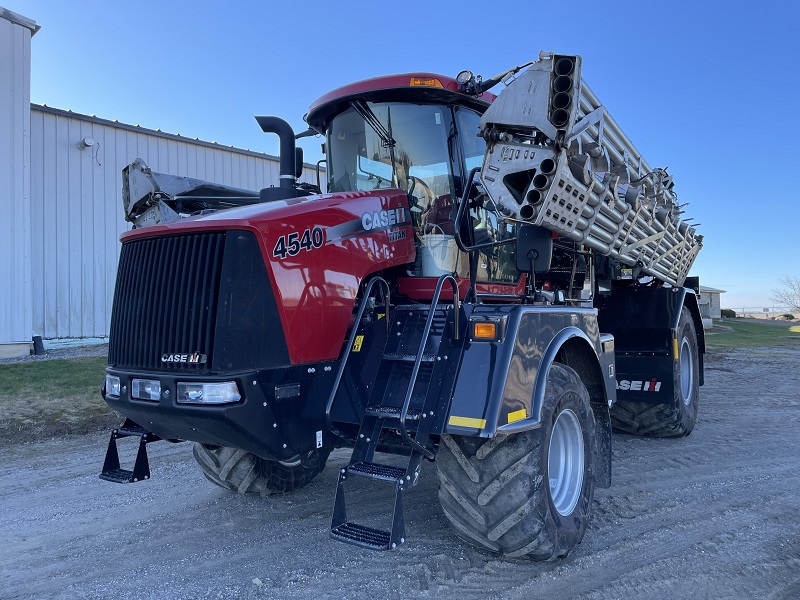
x: 245, y: 473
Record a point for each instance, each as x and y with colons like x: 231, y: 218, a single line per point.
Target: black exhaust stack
x: 288, y: 172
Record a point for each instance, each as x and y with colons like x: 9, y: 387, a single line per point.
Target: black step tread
x: 117, y: 476
x: 423, y: 307
x: 360, y: 535
x: 400, y: 357
x: 377, y: 471
x: 392, y: 412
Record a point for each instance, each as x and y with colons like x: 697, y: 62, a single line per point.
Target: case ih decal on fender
x: 383, y: 218
x: 195, y: 359
x: 392, y: 221
x: 639, y: 386
x: 293, y: 243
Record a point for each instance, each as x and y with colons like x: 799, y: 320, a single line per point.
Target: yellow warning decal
x: 467, y: 422
x: 517, y: 415
x: 675, y: 347
x: 357, y: 343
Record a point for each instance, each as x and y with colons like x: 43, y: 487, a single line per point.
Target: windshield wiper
x: 372, y: 120
x: 387, y: 141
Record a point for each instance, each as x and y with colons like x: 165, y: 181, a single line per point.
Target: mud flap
x: 602, y: 445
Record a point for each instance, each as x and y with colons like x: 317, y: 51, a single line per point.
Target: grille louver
x: 166, y: 300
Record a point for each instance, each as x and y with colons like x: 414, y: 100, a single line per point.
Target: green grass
x: 740, y: 334
x: 54, y: 378
x: 52, y: 397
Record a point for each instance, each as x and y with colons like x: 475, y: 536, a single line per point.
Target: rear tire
x: 677, y: 418
x: 527, y: 494
x: 246, y: 473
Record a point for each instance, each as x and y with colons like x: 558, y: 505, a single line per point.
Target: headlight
x: 112, y: 386
x: 146, y: 389
x: 208, y: 393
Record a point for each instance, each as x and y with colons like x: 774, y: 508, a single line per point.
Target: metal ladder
x: 412, y: 418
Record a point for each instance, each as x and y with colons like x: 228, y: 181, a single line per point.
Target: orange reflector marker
x: 426, y: 82
x: 484, y: 330
x: 675, y: 348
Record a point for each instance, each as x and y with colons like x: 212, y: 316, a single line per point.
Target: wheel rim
x: 687, y: 371
x: 565, y: 462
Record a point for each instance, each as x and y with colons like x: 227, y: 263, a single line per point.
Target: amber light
x: 426, y: 82
x: 483, y: 330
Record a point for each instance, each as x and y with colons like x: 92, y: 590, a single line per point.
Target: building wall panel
x: 78, y: 199
x: 15, y: 206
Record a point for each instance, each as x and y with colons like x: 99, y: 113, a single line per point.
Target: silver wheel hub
x: 565, y: 462
x: 686, y: 371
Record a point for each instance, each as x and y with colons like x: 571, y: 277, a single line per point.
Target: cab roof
x: 405, y: 87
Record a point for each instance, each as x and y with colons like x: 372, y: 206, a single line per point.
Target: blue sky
x: 707, y: 88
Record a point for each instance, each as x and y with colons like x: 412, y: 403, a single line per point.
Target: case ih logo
x: 383, y: 218
x: 639, y: 386
x: 195, y: 359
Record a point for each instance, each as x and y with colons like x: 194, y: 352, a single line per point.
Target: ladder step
x: 392, y: 412
x: 361, y: 535
x: 423, y: 307
x: 395, y: 356
x: 377, y: 471
x: 118, y: 476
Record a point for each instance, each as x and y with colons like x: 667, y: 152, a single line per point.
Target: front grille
x: 165, y: 301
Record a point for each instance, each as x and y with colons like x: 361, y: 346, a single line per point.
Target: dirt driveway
x: 715, y: 515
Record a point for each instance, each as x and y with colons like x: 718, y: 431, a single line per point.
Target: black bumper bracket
x: 141, y: 468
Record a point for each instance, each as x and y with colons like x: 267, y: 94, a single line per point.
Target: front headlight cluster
x: 223, y: 392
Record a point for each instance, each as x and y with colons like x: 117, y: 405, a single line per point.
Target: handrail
x: 417, y: 363
x: 460, y: 213
x: 350, y: 342
x: 464, y: 202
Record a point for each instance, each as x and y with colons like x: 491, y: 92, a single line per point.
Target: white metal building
x: 61, y: 200
x: 709, y: 303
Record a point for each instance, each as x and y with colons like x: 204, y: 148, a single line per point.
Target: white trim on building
x: 15, y: 258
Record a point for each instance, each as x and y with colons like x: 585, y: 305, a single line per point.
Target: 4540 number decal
x: 294, y: 243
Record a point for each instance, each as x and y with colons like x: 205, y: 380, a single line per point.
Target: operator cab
x: 418, y: 134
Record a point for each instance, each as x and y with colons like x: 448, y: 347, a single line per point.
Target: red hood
x: 318, y: 250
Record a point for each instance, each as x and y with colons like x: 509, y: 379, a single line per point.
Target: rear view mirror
x: 534, y: 245
x: 298, y: 162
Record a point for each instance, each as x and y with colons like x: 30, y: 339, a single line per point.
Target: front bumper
x: 281, y: 413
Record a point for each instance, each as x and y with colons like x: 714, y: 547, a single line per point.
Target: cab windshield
x: 374, y: 146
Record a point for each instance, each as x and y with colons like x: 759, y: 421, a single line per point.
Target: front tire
x: 678, y: 417
x: 528, y: 494
x: 246, y: 473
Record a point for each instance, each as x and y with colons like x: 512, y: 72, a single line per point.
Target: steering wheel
x: 425, y: 187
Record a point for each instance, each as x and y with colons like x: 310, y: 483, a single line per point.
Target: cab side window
x: 495, y: 264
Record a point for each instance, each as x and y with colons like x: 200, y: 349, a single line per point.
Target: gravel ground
x: 710, y: 516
